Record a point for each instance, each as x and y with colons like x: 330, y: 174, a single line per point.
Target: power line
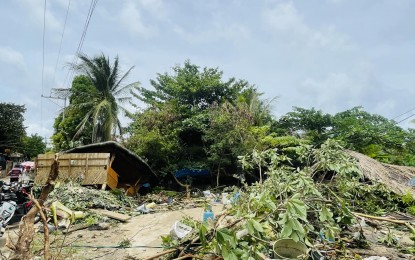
x: 60, y: 44
x: 43, y: 64
x: 43, y: 44
x: 81, y: 42
x: 406, y: 118
x: 403, y: 114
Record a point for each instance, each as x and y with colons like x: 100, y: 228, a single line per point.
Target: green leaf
x: 250, y: 227
x: 270, y: 204
x: 295, y: 236
x: 286, y: 230
x: 325, y: 214
x: 297, y: 226
x: 202, y: 234
x: 224, y: 236
x: 257, y: 225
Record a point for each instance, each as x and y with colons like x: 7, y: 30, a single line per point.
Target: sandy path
x: 143, y: 230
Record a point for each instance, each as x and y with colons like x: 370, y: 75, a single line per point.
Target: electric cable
x: 81, y: 42
x: 406, y: 118
x: 60, y: 44
x: 403, y: 113
x: 43, y: 64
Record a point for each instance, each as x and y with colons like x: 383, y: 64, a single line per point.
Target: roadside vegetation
x: 293, y: 175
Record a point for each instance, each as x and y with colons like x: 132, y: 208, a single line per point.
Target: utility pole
x: 61, y: 94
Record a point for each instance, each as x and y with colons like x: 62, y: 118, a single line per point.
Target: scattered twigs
x: 185, y: 257
x: 161, y: 254
x: 395, y: 221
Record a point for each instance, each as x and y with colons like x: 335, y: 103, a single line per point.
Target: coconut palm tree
x: 107, y: 102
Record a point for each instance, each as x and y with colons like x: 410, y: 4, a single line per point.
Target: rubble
x: 78, y: 197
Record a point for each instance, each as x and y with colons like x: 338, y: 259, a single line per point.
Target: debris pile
x: 77, y: 197
x: 297, y: 207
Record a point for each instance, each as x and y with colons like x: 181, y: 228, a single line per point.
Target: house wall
x: 86, y: 168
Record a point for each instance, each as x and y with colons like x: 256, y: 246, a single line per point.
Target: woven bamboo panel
x: 86, y: 168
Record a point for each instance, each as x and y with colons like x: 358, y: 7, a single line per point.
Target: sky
x: 329, y: 54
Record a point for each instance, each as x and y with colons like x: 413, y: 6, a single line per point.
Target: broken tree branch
x: 46, y: 245
x: 395, y: 221
x: 161, y: 254
x: 187, y: 186
x: 26, y: 227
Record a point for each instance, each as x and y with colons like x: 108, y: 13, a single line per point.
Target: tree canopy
x: 32, y: 146
x: 107, y: 101
x: 196, y: 119
x: 370, y: 134
x: 12, y: 130
x: 65, y: 129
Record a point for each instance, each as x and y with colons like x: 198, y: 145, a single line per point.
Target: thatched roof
x: 396, y: 178
x: 127, y: 164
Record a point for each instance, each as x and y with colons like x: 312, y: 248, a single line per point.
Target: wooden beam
x: 113, y: 215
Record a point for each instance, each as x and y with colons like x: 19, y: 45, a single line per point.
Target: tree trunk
x: 21, y: 250
x: 187, y: 186
x: 217, y: 176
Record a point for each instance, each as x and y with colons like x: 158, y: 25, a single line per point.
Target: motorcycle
x: 14, y: 203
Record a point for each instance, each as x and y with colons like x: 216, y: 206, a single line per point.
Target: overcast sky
x: 328, y: 54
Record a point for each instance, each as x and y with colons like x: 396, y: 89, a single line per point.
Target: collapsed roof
x: 399, y: 179
x: 129, y: 166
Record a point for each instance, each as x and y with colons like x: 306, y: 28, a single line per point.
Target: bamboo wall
x: 86, y: 168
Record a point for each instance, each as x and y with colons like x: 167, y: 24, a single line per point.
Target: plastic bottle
x: 208, y: 214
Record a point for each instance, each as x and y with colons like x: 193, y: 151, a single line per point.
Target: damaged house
x: 107, y: 164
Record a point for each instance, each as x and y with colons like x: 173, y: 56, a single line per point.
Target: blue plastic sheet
x: 191, y: 173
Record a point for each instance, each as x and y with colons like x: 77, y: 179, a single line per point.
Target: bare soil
x: 144, y: 234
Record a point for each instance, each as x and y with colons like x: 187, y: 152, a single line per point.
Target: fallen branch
x: 185, y: 257
x: 76, y: 228
x: 187, y: 186
x: 21, y: 250
x: 395, y: 221
x: 161, y: 254
x: 46, y: 245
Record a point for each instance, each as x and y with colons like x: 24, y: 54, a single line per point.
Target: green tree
x: 65, y: 130
x: 371, y: 134
x: 108, y: 99
x: 192, y: 88
x: 171, y: 131
x: 310, y: 124
x: 12, y: 130
x: 154, y: 137
x: 232, y: 131
x: 33, y: 145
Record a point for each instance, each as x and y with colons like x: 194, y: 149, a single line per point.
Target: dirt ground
x: 142, y: 231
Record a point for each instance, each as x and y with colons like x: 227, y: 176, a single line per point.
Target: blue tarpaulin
x: 182, y: 173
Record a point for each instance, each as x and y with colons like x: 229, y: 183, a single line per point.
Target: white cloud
x: 230, y: 32
x: 338, y: 91
x: 335, y: 1
x: 285, y: 19
x: 35, y: 128
x: 12, y: 57
x: 132, y: 19
x: 35, y: 11
x: 156, y: 7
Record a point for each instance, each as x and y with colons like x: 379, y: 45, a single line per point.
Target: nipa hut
x: 399, y: 179
x: 108, y: 164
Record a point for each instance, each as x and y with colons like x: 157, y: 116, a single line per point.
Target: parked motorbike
x: 14, y: 203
